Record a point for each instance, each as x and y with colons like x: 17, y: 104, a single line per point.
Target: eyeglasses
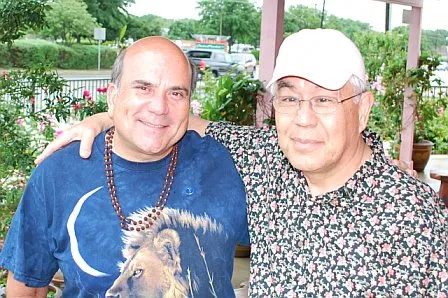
x: 319, y: 104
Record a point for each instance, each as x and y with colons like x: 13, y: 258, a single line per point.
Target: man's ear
x: 365, y: 106
x: 112, y: 95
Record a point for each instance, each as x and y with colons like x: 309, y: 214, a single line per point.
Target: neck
x: 131, y: 152
x: 334, y: 177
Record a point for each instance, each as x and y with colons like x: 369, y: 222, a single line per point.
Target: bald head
x: 158, y: 46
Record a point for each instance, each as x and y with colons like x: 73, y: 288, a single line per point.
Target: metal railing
x: 76, y: 87
x: 437, y: 91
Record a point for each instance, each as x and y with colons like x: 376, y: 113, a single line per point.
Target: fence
x: 76, y: 87
x: 437, y: 91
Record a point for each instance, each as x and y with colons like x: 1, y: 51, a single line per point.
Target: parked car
x: 218, y: 62
x: 246, y: 60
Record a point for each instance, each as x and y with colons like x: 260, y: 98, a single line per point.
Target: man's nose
x: 158, y: 104
x: 305, y: 115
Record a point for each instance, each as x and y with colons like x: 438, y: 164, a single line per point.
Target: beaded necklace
x: 148, y: 220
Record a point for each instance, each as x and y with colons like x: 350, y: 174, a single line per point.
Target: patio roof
x: 272, y: 35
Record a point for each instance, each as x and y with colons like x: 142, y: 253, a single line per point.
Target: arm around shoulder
x: 198, y: 124
x: 85, y: 131
x: 17, y: 289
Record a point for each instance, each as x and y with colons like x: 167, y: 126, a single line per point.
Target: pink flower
x: 196, y: 107
x: 86, y: 93
x: 441, y: 111
x: 20, y: 121
x: 33, y: 100
x: 102, y: 90
x: 42, y: 126
x: 378, y: 86
x: 76, y: 106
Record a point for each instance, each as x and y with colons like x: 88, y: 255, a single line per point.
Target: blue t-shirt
x: 66, y: 220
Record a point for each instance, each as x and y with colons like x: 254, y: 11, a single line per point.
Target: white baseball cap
x: 325, y: 57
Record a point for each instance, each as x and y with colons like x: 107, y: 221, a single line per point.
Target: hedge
x: 26, y: 53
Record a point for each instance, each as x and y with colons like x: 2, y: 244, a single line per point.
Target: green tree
x: 347, y: 26
x: 20, y: 15
x: 300, y: 17
x: 111, y: 14
x: 183, y: 29
x: 139, y: 27
x: 69, y: 19
x: 235, y: 18
x: 156, y: 24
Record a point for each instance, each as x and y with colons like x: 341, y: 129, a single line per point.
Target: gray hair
x: 358, y: 86
x: 117, y: 70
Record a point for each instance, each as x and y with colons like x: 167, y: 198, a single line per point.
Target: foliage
x: 302, y: 17
x: 240, y: 19
x: 26, y: 53
x: 183, y: 29
x: 227, y: 98
x: 20, y: 15
x: 385, y: 58
x: 148, y: 25
x: 27, y: 124
x: 111, y: 14
x: 437, y: 131
x: 433, y: 41
x: 68, y: 20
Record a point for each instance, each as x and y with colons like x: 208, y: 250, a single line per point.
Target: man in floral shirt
x: 348, y: 223
x: 329, y: 216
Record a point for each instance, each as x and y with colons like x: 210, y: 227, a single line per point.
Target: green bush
x: 28, y: 53
x: 232, y: 99
x: 256, y: 53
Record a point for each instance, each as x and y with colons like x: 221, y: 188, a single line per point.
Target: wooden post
x: 272, y: 17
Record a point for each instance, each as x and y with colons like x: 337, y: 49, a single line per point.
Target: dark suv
x: 218, y: 62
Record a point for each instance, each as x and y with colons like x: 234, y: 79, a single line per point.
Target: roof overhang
x: 415, y: 3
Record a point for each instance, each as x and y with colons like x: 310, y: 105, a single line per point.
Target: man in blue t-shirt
x: 154, y: 212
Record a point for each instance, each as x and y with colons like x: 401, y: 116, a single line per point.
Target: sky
x: 435, y: 12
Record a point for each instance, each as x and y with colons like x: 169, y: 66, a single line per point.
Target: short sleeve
x: 27, y: 247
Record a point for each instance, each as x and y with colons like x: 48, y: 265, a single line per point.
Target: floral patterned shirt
x: 383, y: 234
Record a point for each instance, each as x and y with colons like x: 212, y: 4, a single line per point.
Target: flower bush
x: 35, y: 105
x: 385, y: 57
x: 28, y: 125
x: 227, y: 99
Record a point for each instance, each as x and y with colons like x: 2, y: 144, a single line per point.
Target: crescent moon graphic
x: 74, y: 242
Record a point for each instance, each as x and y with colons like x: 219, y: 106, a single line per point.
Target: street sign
x: 99, y: 33
x: 210, y: 46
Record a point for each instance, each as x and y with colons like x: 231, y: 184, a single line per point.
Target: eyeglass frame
x: 300, y: 101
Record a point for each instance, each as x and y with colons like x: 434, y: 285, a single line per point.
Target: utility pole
x: 387, y: 17
x: 322, y: 16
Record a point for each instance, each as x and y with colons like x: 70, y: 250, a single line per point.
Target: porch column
x: 407, y: 123
x: 272, y: 16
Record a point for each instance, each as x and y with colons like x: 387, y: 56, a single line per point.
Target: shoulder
x: 206, y: 145
x: 417, y: 201
x: 68, y: 157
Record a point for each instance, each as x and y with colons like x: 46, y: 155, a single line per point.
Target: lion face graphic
x: 153, y: 260
x: 153, y: 271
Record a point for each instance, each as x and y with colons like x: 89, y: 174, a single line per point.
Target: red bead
x: 163, y: 197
